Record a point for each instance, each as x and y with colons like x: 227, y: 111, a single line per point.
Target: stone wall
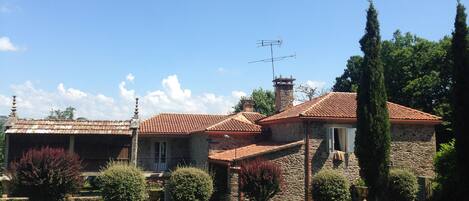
x: 291, y: 161
x: 289, y: 132
x: 412, y: 147
x: 198, y: 149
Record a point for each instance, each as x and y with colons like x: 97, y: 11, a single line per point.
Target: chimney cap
x: 283, y: 80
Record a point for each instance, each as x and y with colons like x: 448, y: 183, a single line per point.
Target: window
x: 160, y: 156
x: 341, y: 139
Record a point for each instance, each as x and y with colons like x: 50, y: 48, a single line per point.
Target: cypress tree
x: 461, y: 97
x: 373, y: 127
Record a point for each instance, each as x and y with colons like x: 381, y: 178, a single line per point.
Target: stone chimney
x: 283, y: 93
x: 248, y: 104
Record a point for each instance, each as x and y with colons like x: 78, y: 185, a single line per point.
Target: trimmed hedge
x: 46, y: 174
x: 402, y: 185
x: 330, y: 185
x: 190, y: 184
x: 122, y: 182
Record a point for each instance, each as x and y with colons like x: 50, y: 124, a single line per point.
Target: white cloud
x: 6, y: 45
x: 34, y: 102
x: 316, y: 84
x: 71, y: 92
x: 130, y: 77
x: 238, y: 94
x: 125, y: 93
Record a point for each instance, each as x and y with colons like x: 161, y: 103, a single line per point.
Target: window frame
x: 330, y: 137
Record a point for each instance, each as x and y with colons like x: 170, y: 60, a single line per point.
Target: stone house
x: 301, y: 139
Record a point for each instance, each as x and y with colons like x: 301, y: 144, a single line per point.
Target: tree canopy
x: 264, y: 102
x: 417, y: 74
x: 67, y: 114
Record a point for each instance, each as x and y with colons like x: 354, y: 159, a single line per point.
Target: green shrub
x: 330, y: 185
x: 46, y: 174
x: 190, y: 184
x: 402, y: 185
x: 446, y: 173
x: 260, y: 180
x: 122, y: 182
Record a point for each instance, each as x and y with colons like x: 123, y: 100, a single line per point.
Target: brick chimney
x: 283, y: 93
x: 248, y: 104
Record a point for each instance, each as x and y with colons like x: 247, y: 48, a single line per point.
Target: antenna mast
x: 272, y: 59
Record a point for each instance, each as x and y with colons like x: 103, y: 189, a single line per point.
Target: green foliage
x: 264, y: 102
x: 190, y: 184
x: 122, y: 182
x: 417, y: 74
x: 460, y: 97
x: 260, y: 180
x: 348, y: 81
x: 46, y: 174
x: 402, y: 185
x: 330, y: 185
x: 67, y: 114
x: 446, y: 180
x: 373, y: 139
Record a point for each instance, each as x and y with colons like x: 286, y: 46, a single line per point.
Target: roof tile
x: 342, y: 105
x: 23, y: 126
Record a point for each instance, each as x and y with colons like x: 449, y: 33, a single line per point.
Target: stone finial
x: 13, y: 108
x: 136, y: 109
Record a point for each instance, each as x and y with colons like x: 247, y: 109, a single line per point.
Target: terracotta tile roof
x: 253, y: 116
x: 235, y: 123
x: 188, y: 123
x: 22, y: 126
x: 252, y: 150
x: 342, y: 105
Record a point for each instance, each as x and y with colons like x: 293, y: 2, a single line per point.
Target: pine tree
x: 373, y: 127
x: 461, y: 97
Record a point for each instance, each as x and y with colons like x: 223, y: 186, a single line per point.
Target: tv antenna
x: 272, y: 59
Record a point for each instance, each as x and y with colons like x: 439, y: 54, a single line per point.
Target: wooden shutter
x: 351, y: 140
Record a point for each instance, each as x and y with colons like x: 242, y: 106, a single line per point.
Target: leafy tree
x: 373, y: 127
x: 67, y: 114
x: 461, y: 98
x: 348, y: 81
x: 264, y: 102
x: 417, y: 74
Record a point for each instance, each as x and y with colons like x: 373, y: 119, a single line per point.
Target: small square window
x: 341, y: 139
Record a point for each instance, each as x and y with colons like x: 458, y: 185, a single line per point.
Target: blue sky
x: 184, y: 56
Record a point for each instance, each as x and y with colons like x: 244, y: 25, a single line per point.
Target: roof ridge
x: 224, y: 120
x: 322, y: 98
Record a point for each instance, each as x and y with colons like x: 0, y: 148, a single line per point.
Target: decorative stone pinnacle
x: 13, y: 107
x: 136, y: 109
